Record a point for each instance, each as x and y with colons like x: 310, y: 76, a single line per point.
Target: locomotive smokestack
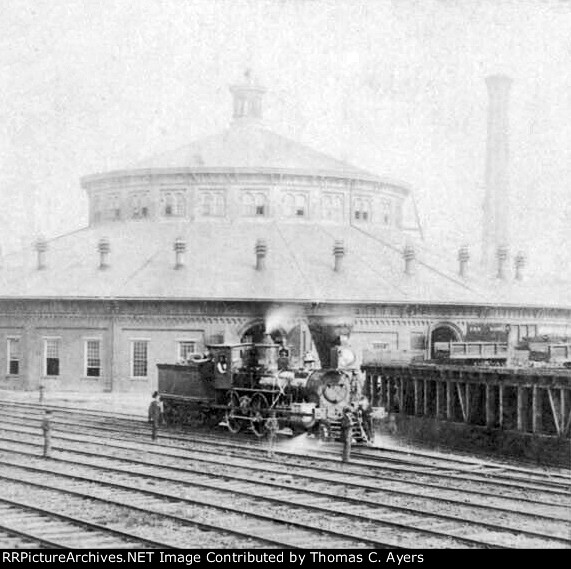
x: 41, y: 246
x: 519, y: 263
x: 502, y: 257
x: 179, y: 250
x: 463, y: 258
x: 409, y: 257
x: 496, y: 201
x: 338, y: 253
x: 104, y: 248
x: 261, y: 252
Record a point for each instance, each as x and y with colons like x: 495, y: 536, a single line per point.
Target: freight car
x: 238, y: 385
x: 538, y: 351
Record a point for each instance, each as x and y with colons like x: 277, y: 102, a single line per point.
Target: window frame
x: 9, y: 359
x: 147, y: 343
x: 179, y: 342
x: 58, y: 341
x: 86, y: 365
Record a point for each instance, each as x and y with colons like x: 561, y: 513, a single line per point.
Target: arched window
x: 139, y: 205
x: 254, y: 204
x: 386, y: 211
x: 180, y: 205
x: 212, y: 204
x: 332, y: 207
x: 248, y: 205
x: 96, y: 205
x: 362, y: 209
x: 295, y: 205
x: 168, y: 204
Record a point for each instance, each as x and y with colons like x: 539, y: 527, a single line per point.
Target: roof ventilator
x: 104, y: 248
x: 261, y: 252
x: 179, y: 249
x: 409, y: 257
x: 338, y: 253
x: 463, y: 258
x: 41, y: 246
x: 502, y: 257
x: 519, y: 263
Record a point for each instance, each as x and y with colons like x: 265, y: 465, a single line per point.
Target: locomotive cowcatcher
x: 237, y: 385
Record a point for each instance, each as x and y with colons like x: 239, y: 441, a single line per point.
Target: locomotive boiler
x: 239, y: 385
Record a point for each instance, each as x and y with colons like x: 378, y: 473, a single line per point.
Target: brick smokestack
x: 496, y: 201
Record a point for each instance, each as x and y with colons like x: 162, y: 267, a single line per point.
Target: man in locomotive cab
x: 283, y: 359
x: 222, y: 365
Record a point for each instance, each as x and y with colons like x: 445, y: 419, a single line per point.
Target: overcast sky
x: 394, y: 87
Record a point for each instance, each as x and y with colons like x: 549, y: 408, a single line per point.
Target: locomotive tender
x: 241, y: 384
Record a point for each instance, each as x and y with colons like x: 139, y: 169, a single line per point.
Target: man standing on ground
x: 346, y: 433
x: 155, y: 414
x: 47, y: 429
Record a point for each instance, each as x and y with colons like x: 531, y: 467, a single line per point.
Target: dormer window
x: 295, y: 205
x: 254, y: 204
x: 139, y: 205
x: 212, y: 204
x: 386, y: 210
x: 362, y: 209
x: 332, y: 207
x: 173, y: 203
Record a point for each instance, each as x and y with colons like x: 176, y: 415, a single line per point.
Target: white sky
x: 394, y: 87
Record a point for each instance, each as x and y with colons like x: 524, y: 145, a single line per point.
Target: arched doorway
x: 444, y: 332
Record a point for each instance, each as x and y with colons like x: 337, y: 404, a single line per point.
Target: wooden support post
x: 425, y: 397
x: 468, y: 390
x: 535, y: 409
x: 461, y: 399
x: 489, y: 406
x: 389, y: 393
x: 416, y: 396
x: 401, y: 394
x: 520, y: 408
x: 501, y: 406
x: 449, y: 400
x: 554, y: 411
x: 439, y: 392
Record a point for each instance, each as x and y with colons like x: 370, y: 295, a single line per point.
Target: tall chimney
x: 41, y: 246
x: 338, y: 253
x: 496, y: 201
x: 261, y: 251
x: 104, y: 248
x: 463, y: 258
x: 179, y: 250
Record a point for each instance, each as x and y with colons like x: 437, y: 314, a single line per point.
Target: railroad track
x: 423, y: 481
x: 490, y: 534
x: 445, y: 467
x: 39, y: 527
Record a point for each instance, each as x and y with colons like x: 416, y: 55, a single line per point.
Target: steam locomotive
x: 240, y: 385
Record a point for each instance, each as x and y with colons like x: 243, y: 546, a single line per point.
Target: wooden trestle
x: 525, y: 400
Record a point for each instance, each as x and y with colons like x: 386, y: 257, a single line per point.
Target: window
x: 185, y: 349
x: 139, y: 358
x: 332, y: 207
x: 96, y: 209
x: 139, y: 205
x: 386, y: 341
x: 295, y: 205
x: 113, y: 208
x: 52, y: 356
x: 173, y: 204
x: 386, y: 212
x: 254, y: 204
x: 417, y: 341
x: 93, y: 358
x: 13, y: 356
x: 212, y: 204
x: 362, y: 209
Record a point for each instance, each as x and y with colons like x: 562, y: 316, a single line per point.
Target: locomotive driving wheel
x: 233, y: 409
x: 258, y: 411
